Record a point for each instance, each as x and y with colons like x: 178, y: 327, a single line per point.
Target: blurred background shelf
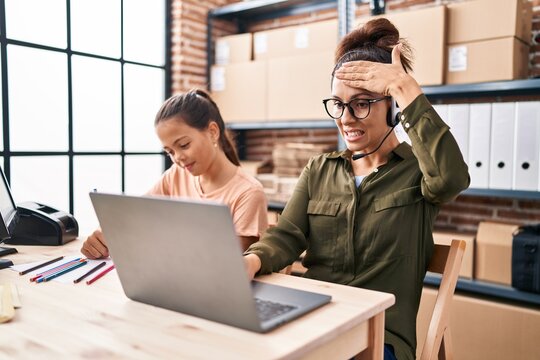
x: 488, y: 289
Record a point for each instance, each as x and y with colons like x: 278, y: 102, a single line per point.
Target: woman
x: 365, y: 215
x: 205, y: 166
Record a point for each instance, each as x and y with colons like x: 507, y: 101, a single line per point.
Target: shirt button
x: 376, y: 170
x: 407, y: 125
x: 402, y: 117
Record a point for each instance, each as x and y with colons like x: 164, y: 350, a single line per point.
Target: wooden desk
x: 99, y: 321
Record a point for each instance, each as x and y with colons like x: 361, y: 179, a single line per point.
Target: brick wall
x: 188, y: 48
x: 189, y: 70
x: 535, y: 40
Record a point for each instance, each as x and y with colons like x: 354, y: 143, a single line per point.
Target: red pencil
x: 100, y: 275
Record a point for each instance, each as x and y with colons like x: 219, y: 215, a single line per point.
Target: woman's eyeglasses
x: 359, y: 108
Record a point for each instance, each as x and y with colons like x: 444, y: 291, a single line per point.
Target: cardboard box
x: 489, y: 19
x: 252, y: 167
x: 233, y: 49
x: 445, y: 238
x: 493, y: 253
x: 482, y: 329
x: 272, y: 217
x: 240, y: 91
x: 297, y: 154
x: 425, y: 30
x: 490, y: 60
x: 297, y: 85
x: 295, y: 40
x: 269, y: 182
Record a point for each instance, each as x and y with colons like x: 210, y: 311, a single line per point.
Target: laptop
x: 184, y: 255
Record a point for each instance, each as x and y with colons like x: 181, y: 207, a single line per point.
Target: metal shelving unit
x: 488, y: 289
x: 243, y: 13
x: 515, y: 194
x: 256, y: 10
x: 486, y: 89
x: 247, y: 12
x: 294, y: 124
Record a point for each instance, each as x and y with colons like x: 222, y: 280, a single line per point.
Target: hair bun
x: 377, y: 34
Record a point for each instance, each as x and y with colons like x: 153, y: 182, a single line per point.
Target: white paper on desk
x: 67, y: 277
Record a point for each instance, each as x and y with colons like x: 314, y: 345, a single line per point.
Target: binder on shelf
x: 527, y: 146
x: 458, y: 120
x: 479, y: 143
x: 501, y: 163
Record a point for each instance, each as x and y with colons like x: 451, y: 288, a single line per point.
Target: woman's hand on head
x: 387, y: 79
x: 94, y: 247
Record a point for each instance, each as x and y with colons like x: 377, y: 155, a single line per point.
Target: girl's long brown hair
x: 197, y: 109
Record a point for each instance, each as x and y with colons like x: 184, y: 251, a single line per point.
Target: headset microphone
x: 360, y: 156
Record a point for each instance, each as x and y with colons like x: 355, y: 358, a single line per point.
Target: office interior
x: 82, y: 80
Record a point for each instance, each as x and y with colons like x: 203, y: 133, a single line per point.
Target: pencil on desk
x: 91, y: 271
x: 24, y: 272
x: 100, y: 275
x: 62, y: 271
x: 55, y: 269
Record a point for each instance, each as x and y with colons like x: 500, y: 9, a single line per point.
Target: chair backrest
x: 446, y: 260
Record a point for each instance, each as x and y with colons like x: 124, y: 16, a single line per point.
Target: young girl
x: 205, y: 166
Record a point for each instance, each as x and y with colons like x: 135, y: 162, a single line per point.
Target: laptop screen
x: 7, y: 207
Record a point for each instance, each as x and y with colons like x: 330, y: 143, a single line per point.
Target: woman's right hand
x: 253, y: 265
x: 94, y: 247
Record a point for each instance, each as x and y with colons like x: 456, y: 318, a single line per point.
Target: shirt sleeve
x: 281, y: 245
x: 250, y: 213
x: 445, y: 173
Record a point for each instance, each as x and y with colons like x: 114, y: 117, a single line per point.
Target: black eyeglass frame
x: 351, y: 110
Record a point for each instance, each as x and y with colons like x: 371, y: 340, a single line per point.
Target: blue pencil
x: 62, y: 272
x: 55, y: 269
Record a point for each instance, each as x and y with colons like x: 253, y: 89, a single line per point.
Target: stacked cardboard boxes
x: 283, y: 74
x: 238, y: 83
x: 275, y: 75
x: 289, y: 160
x: 484, y: 329
x: 425, y: 30
x: 493, y: 257
x: 467, y: 264
x: 488, y: 40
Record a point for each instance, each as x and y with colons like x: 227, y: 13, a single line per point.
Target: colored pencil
x: 89, y: 272
x: 24, y: 272
x: 100, y: 275
x: 55, y: 269
x: 63, y: 271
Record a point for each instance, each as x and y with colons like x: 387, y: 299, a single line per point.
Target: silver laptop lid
x: 146, y: 237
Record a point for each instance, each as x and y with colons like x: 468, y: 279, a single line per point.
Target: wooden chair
x: 446, y: 260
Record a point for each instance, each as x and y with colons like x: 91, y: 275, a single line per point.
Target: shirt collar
x: 403, y: 150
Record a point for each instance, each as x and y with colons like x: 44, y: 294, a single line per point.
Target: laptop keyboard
x: 268, y: 309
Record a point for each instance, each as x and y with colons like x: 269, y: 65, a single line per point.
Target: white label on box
x: 218, y: 79
x: 457, y: 58
x: 223, y: 52
x: 301, y: 38
x: 261, y: 43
